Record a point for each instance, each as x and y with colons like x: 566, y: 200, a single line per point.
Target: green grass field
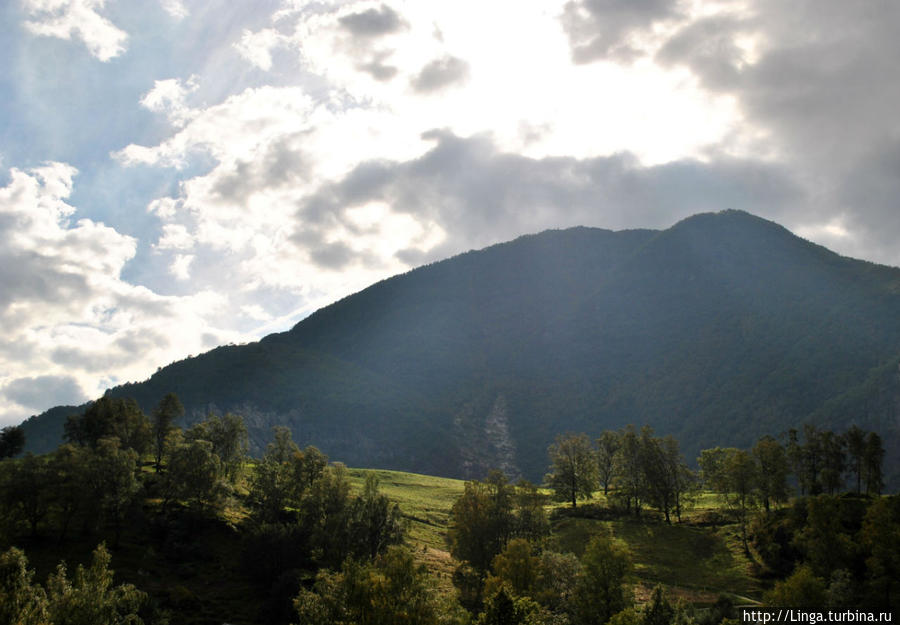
x: 693, y: 561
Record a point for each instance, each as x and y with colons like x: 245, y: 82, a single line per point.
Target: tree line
x: 95, y: 486
x: 320, y: 554
x: 634, y: 467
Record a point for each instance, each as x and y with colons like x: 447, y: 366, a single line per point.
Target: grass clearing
x: 425, y: 502
x: 694, y: 563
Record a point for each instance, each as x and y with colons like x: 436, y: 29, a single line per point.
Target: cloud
x: 479, y: 195
x: 372, y: 22
x: 72, y: 324
x: 42, y: 391
x: 65, y: 19
x: 175, y: 8
x: 169, y: 98
x: 440, y: 73
x: 613, y: 29
x: 817, y: 87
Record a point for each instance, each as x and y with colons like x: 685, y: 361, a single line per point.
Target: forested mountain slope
x: 719, y: 329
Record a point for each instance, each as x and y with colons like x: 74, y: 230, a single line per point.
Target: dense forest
x: 717, y: 331
x: 199, y: 532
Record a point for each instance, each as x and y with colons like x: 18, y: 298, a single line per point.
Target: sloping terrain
x: 719, y: 329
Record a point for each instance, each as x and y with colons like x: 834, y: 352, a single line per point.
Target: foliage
x: 228, y: 437
x: 482, y: 521
x: 88, y: 598
x: 573, y: 468
x: 375, y: 523
x: 488, y: 514
x: 802, y: 588
x: 111, y: 417
x: 392, y: 590
x: 12, y: 440
x: 607, y: 446
x: 773, y: 471
x: 164, y: 417
x: 284, y: 476
x: 196, y: 475
x: 21, y: 602
x: 600, y: 590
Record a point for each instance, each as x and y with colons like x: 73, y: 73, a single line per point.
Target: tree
x: 573, y: 468
x: 89, y: 598
x: 325, y: 516
x: 482, y: 521
x: 12, y: 441
x: 855, y: 440
x: 600, y: 591
x: 196, y: 475
x: 823, y: 540
x: 375, y: 523
x: 503, y: 608
x: 607, y: 446
x: 110, y: 417
x: 391, y: 590
x: 531, y: 521
x: 516, y: 567
x: 741, y: 479
x: 734, y: 474
x: 26, y: 490
x: 556, y: 580
x: 872, y: 464
x: 801, y: 588
x: 283, y: 476
x: 67, y: 485
x: 713, y: 467
x: 834, y: 461
x: 881, y: 537
x: 110, y: 478
x: 659, y: 611
x: 630, y: 470
x: 21, y: 601
x: 666, y: 475
x: 229, y: 439
x: 773, y: 470
x: 168, y: 410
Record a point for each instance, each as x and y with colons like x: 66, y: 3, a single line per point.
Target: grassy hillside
x: 694, y: 560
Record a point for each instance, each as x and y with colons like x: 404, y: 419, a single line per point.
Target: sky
x: 177, y: 175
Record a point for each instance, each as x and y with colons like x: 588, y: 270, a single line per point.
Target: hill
x: 719, y: 329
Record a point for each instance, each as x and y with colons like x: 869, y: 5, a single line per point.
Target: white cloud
x: 181, y: 266
x: 65, y: 19
x: 71, y: 324
x: 168, y: 97
x: 175, y: 8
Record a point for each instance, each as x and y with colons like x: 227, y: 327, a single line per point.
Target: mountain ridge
x: 718, y: 329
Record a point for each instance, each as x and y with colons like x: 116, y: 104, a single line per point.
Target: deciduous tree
x: 573, y: 468
x: 168, y: 410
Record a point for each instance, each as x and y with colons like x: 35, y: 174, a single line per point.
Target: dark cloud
x: 377, y: 68
x: 378, y: 71
x: 373, y: 22
x: 282, y: 164
x: 441, y: 73
x: 708, y: 46
x: 603, y: 29
x: 480, y: 195
x: 44, y: 390
x: 27, y: 275
x: 823, y: 86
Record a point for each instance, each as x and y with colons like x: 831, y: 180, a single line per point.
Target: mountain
x: 717, y: 330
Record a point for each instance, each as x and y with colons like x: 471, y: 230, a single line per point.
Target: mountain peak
x: 717, y: 330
